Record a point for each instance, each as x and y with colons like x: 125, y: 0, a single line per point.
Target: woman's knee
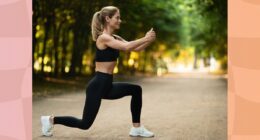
x: 86, y: 123
x: 85, y: 126
x: 138, y: 89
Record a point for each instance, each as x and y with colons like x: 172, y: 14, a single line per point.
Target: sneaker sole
x: 141, y: 136
x: 47, y: 135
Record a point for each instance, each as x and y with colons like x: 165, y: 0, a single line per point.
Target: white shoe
x: 46, y: 126
x: 140, y: 131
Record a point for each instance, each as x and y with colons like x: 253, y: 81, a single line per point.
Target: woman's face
x: 115, y: 21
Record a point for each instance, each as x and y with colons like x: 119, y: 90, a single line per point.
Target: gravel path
x: 175, y: 107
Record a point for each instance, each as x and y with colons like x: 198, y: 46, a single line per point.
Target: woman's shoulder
x: 103, y: 38
x: 100, y: 43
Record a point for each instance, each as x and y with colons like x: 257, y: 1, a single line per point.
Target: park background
x: 183, y: 73
x: 191, y: 36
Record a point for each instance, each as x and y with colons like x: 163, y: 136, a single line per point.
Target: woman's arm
x: 139, y: 48
x: 123, y: 45
x: 142, y: 47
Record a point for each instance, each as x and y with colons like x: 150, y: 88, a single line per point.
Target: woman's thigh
x: 121, y: 89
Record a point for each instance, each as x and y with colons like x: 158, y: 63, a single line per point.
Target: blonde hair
x: 98, y: 20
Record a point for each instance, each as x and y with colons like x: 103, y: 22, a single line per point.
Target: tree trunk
x: 56, y: 46
x: 64, y: 50
x: 74, y: 54
x: 47, y: 29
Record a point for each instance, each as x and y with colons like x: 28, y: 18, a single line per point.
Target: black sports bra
x: 106, y: 55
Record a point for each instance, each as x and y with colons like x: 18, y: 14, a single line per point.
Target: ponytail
x: 96, y: 26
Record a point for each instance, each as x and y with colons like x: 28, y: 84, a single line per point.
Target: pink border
x: 16, y: 69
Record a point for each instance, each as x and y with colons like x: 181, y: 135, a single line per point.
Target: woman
x: 101, y: 86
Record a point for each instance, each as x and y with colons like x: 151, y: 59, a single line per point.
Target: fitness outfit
x: 101, y: 86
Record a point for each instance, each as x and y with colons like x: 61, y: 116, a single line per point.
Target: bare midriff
x: 105, y: 67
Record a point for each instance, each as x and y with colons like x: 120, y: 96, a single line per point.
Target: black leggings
x: 101, y: 86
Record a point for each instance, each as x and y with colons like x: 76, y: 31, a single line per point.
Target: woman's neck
x: 109, y: 31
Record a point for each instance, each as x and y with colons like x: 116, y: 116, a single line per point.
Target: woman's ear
x: 107, y: 18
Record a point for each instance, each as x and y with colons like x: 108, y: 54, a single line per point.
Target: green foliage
x: 61, y: 29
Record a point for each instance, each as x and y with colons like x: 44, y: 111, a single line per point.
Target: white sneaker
x: 46, y: 126
x: 140, y: 131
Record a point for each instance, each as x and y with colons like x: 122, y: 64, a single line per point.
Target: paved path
x: 174, y: 108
